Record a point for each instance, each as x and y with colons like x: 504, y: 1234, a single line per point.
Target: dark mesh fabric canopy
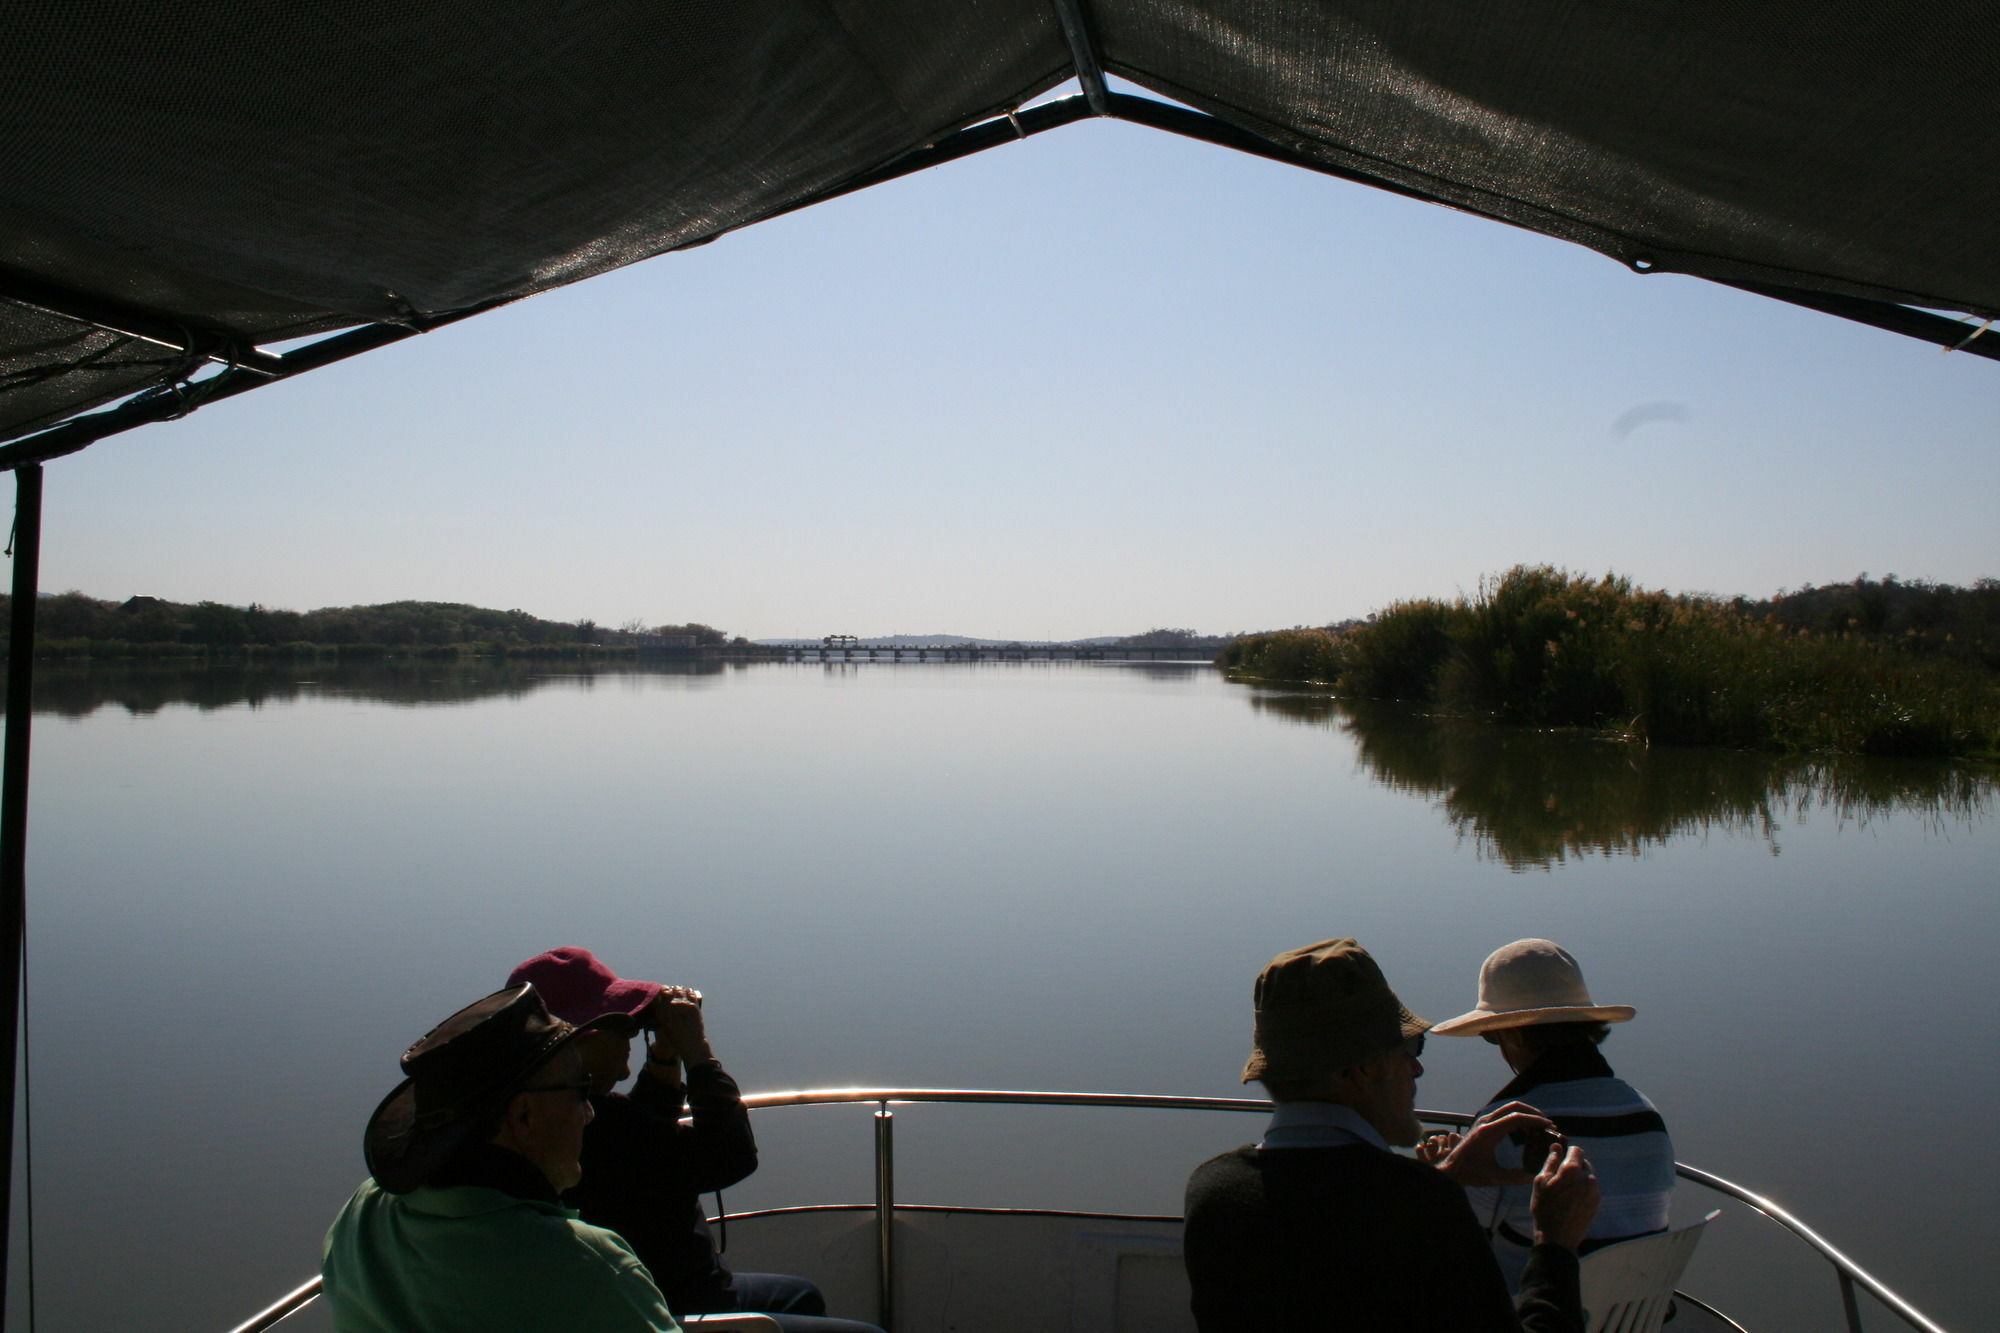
x: 184, y: 183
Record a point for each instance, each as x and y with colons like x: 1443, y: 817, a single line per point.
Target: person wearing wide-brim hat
x: 460, y: 1227
x: 644, y: 1166
x: 1320, y: 1223
x: 1533, y: 1004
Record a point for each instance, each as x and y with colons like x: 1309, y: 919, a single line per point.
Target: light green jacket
x: 468, y: 1259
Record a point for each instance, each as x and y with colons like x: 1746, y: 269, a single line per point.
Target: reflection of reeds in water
x: 1532, y: 799
x: 141, y: 689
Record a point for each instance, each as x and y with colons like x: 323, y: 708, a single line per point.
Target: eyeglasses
x: 1414, y: 1047
x: 582, y: 1089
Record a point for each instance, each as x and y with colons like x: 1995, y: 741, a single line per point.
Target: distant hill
x: 1918, y: 616
x: 74, y: 623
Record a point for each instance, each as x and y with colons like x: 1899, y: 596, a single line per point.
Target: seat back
x: 1627, y: 1287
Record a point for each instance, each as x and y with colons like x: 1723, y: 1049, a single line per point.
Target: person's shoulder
x: 1232, y: 1163
x: 602, y: 1243
x: 568, y: 1243
x: 585, y: 1275
x: 367, y: 1196
x: 1223, y: 1176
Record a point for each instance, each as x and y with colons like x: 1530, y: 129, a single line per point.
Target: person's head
x: 580, y: 989
x: 1328, y: 1028
x: 544, y: 1121
x: 501, y: 1070
x: 1532, y: 1001
x: 1522, y: 1046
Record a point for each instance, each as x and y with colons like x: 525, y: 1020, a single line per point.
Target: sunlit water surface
x: 249, y: 893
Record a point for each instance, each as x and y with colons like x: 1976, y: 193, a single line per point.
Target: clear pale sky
x: 1100, y: 381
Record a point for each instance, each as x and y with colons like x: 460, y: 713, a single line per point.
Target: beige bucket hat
x: 1323, y: 1008
x: 1531, y: 981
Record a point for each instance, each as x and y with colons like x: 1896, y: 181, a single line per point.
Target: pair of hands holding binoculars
x: 674, y: 1032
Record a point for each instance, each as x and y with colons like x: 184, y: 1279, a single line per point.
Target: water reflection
x: 1534, y: 799
x: 142, y: 690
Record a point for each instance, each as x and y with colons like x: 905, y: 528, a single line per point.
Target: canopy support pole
x: 14, y: 824
x: 1909, y: 321
x: 1083, y: 55
x: 209, y: 345
x: 1951, y: 334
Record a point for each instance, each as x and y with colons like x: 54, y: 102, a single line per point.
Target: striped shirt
x: 1619, y: 1131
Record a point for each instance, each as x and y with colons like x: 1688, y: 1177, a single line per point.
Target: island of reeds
x: 1873, y: 667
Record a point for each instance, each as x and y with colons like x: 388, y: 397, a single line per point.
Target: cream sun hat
x: 1531, y: 981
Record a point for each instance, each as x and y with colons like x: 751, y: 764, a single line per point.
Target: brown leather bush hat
x: 464, y: 1066
x: 1531, y: 981
x: 1322, y: 1009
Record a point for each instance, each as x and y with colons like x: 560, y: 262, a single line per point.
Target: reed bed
x: 1546, y: 647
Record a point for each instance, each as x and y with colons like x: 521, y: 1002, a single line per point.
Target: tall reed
x: 1550, y: 648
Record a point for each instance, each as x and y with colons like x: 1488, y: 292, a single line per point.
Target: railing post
x: 1847, y: 1302
x: 14, y: 822
x: 885, y: 1218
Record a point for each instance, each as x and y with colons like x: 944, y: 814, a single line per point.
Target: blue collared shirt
x: 1318, y: 1125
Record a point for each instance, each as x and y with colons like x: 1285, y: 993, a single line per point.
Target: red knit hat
x: 579, y: 989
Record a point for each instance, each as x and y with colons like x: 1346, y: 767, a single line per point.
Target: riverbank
x: 1548, y: 648
x: 116, y: 651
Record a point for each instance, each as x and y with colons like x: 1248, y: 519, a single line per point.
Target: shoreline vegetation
x: 78, y: 629
x: 75, y: 627
x: 1872, y: 667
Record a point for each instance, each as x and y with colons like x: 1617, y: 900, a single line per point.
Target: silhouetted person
x: 1534, y: 1006
x: 643, y: 1170
x: 1320, y: 1225
x: 459, y: 1228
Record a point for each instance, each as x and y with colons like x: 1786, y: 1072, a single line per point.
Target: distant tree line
x: 1868, y: 667
x: 1921, y: 617
x: 73, y: 624
x: 1176, y: 638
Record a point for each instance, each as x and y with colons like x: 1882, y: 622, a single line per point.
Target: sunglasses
x: 1414, y: 1046
x: 582, y: 1089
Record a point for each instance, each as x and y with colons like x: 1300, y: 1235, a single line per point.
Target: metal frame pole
x: 885, y: 1218
x: 14, y: 824
x: 1848, y: 1305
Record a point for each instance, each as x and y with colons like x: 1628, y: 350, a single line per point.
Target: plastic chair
x: 1628, y: 1287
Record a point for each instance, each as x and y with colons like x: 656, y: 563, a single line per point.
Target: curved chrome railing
x: 1850, y: 1274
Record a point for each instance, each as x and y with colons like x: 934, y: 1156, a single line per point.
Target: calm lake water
x: 249, y: 893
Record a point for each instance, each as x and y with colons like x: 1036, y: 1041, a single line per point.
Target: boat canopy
x: 186, y: 185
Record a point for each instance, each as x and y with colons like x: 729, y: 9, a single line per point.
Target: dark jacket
x: 1355, y: 1238
x: 644, y: 1173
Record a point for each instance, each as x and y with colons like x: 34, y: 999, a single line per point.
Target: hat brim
x: 631, y: 998
x: 1484, y: 1020
x: 402, y: 1157
x: 1330, y: 1058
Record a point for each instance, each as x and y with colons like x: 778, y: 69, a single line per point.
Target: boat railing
x: 1850, y: 1275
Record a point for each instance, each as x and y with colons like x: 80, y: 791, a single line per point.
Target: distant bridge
x: 964, y: 652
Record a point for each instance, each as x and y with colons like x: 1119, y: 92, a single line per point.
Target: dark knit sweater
x: 1355, y: 1238
x: 643, y: 1173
